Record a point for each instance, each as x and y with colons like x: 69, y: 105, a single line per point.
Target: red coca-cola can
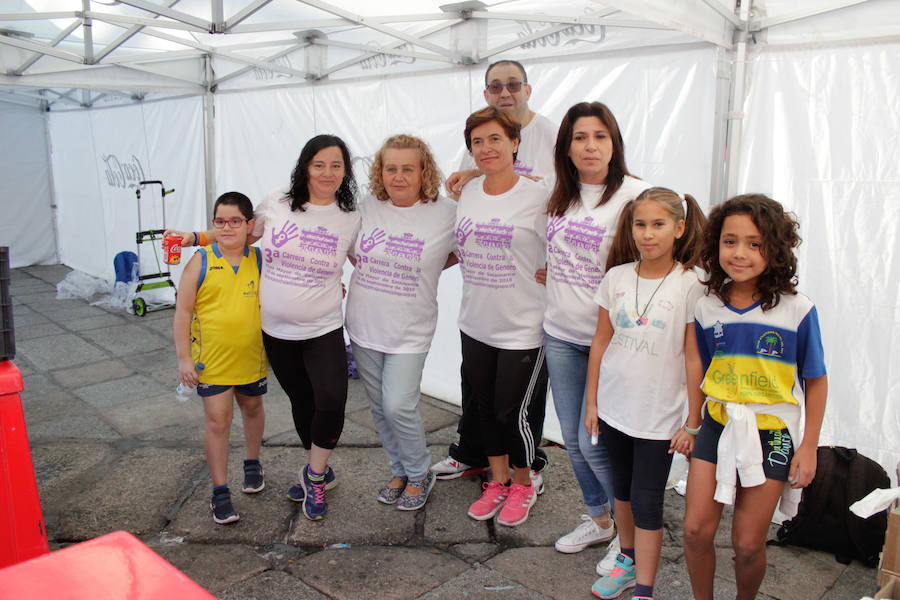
x: 171, y: 246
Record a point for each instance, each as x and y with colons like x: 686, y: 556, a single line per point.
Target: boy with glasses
x: 217, y: 325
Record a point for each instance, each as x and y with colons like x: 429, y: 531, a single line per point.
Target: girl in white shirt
x: 643, y: 349
x: 406, y: 240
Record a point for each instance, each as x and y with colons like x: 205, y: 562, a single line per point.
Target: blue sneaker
x: 622, y: 577
x: 314, y: 505
x: 296, y: 492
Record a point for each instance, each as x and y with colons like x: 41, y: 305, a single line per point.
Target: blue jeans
x: 392, y: 384
x: 567, y: 364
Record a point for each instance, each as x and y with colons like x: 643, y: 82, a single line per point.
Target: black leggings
x: 313, y: 373
x: 501, y: 382
x: 640, y: 470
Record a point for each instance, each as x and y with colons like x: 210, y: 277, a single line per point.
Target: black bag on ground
x: 824, y: 521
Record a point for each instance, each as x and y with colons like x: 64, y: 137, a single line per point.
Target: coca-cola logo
x: 122, y: 173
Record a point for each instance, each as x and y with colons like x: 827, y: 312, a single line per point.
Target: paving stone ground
x: 113, y: 450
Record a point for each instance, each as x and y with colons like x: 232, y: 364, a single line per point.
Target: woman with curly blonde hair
x: 406, y: 240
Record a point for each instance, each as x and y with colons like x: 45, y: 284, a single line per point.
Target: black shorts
x: 777, y: 445
x: 257, y: 388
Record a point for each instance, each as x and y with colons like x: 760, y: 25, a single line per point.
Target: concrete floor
x: 114, y: 450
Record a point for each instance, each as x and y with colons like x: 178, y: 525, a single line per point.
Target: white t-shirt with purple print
x: 578, y: 244
x: 400, y: 253
x: 303, y: 255
x: 500, y: 244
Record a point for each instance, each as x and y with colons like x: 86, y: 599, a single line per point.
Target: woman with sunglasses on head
x: 305, y: 233
x: 405, y: 242
x: 500, y: 227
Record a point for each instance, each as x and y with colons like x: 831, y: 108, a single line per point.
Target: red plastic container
x: 22, y: 533
x: 116, y: 565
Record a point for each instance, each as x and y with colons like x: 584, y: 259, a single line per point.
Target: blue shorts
x: 777, y: 445
x: 257, y: 388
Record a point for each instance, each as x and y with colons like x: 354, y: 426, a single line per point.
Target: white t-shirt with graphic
x: 535, y: 155
x: 500, y: 241
x: 303, y: 254
x: 642, y: 388
x: 578, y: 245
x: 400, y: 253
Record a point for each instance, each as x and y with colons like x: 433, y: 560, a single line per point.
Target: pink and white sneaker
x: 515, y: 510
x: 492, y: 498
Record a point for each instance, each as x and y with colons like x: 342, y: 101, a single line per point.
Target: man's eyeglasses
x: 235, y: 222
x: 496, y: 88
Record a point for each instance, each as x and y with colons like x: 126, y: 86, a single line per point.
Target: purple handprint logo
x: 554, y: 226
x: 366, y: 243
x: 287, y: 233
x: 462, y: 231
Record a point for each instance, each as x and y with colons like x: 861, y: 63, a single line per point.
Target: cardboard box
x: 891, y: 591
x: 890, y: 556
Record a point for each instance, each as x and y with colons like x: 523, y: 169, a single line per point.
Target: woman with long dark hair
x: 592, y: 185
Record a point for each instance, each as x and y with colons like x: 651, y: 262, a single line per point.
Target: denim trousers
x: 392, y: 384
x: 567, y: 364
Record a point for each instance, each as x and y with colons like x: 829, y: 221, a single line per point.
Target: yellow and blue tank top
x: 226, y: 335
x: 756, y: 356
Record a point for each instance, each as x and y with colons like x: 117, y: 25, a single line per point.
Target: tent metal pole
x: 736, y: 108
x: 209, y: 138
x: 54, y: 210
x: 717, y: 184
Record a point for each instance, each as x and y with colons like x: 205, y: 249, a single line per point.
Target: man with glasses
x: 506, y: 88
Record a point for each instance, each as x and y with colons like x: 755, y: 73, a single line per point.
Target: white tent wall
x: 820, y: 135
x: 664, y: 104
x: 25, y: 187
x: 98, y: 158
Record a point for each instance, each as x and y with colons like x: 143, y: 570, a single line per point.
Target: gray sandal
x: 417, y: 501
x: 389, y: 495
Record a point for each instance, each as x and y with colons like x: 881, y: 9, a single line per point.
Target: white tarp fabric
x: 27, y: 223
x: 821, y: 136
x: 98, y: 159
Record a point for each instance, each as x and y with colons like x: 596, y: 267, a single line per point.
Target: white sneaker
x: 586, y: 534
x: 450, y: 468
x: 605, y: 566
x: 537, y: 480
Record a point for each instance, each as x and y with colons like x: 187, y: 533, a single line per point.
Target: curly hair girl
x: 778, y: 238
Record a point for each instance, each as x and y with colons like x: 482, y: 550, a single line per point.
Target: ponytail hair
x: 688, y: 247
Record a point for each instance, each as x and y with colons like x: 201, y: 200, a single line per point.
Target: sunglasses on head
x: 496, y: 88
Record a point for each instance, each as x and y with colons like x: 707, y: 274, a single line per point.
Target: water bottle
x: 183, y: 393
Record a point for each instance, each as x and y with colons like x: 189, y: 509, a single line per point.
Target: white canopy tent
x: 794, y: 98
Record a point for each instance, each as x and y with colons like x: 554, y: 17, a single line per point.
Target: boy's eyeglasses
x: 496, y: 88
x: 235, y: 222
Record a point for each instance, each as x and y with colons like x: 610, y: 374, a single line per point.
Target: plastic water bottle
x: 183, y: 393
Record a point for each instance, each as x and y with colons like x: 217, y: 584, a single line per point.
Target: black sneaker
x: 253, y: 478
x: 223, y: 511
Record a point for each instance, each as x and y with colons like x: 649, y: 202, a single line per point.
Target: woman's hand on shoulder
x: 541, y: 276
x: 458, y: 180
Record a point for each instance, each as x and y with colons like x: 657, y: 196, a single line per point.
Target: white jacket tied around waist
x: 740, y: 451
